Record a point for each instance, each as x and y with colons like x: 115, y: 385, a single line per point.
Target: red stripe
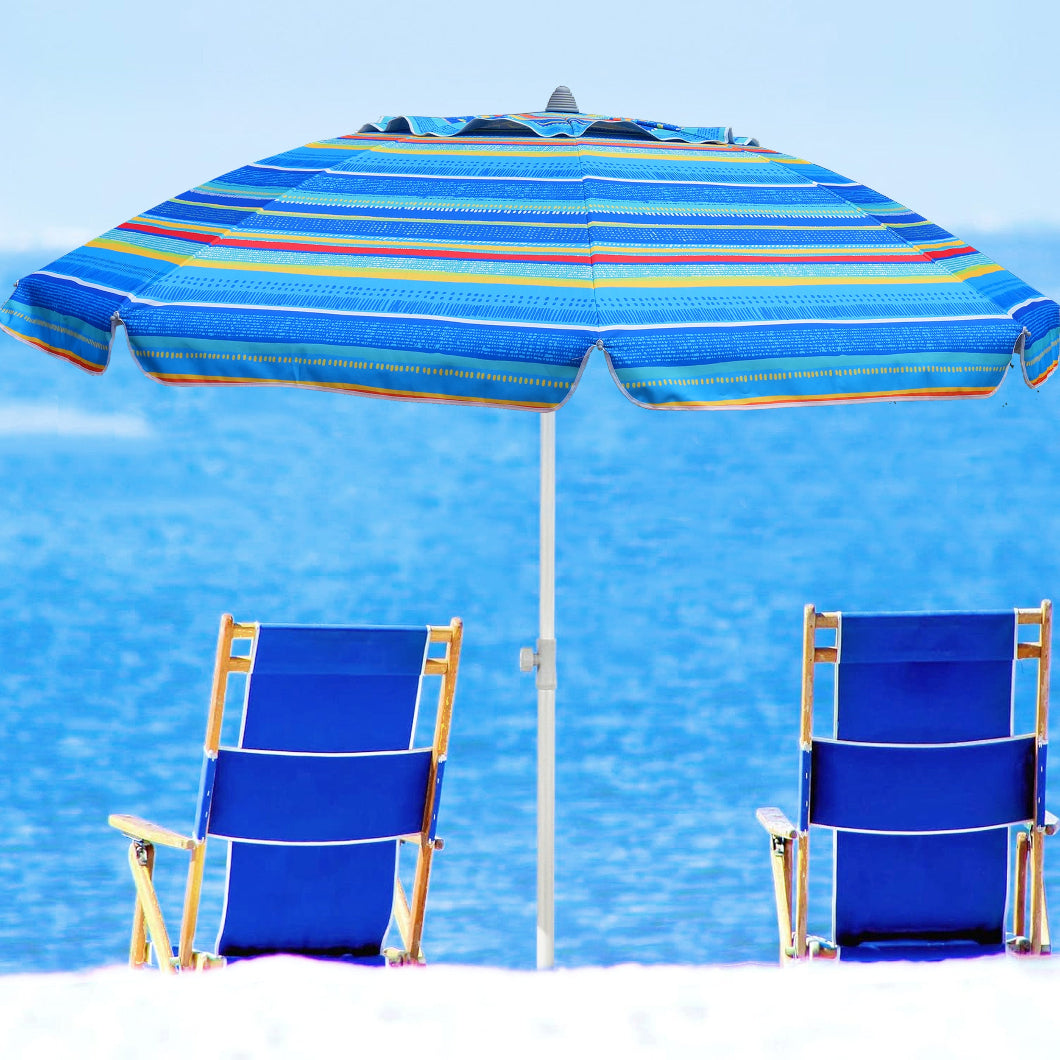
x: 597, y: 257
x: 555, y: 258
x: 151, y: 230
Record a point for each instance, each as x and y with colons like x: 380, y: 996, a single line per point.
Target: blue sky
x: 952, y: 108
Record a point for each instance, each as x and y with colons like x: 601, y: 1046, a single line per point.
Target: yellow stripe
x: 181, y: 226
x: 1048, y: 349
x: 430, y: 276
x: 788, y: 281
x: 55, y: 327
x: 817, y: 399
x: 143, y: 252
x: 219, y: 206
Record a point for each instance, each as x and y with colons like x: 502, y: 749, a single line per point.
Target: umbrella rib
x: 832, y: 188
x: 202, y: 248
x: 591, y: 245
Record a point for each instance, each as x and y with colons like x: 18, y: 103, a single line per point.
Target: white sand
x: 286, y: 1007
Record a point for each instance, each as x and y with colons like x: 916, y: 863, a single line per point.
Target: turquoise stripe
x: 773, y: 379
x: 411, y: 372
x: 59, y: 332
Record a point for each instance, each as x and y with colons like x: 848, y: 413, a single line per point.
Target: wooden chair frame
x: 790, y: 847
x: 149, y: 928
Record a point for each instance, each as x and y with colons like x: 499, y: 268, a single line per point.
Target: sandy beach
x: 288, y: 1007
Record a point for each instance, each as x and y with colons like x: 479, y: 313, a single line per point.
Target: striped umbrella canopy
x: 480, y: 259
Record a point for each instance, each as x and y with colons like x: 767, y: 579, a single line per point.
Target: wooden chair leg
x: 1037, y: 882
x: 402, y: 915
x: 191, y: 906
x: 419, y: 899
x: 1047, y: 945
x: 140, y: 854
x: 139, y: 953
x: 802, y: 887
x: 1037, y: 887
x: 780, y: 860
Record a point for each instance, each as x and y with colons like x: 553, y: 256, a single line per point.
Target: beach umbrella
x: 481, y: 259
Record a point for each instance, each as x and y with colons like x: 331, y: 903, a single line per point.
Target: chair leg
x: 402, y: 915
x: 191, y: 906
x: 419, y: 899
x: 1047, y: 945
x: 802, y: 888
x: 780, y: 860
x: 1037, y: 885
x: 140, y: 854
x: 139, y: 952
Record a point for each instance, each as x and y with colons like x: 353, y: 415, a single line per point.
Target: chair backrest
x: 921, y: 782
x: 320, y: 787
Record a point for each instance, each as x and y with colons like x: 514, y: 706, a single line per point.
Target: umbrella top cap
x: 562, y: 102
x: 561, y: 119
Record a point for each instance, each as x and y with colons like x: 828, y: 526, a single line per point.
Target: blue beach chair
x: 921, y: 784
x: 313, y: 801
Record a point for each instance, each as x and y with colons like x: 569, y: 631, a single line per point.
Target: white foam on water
x: 289, y: 1007
x: 71, y: 423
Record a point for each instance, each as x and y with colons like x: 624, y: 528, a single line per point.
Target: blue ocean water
x: 687, y: 546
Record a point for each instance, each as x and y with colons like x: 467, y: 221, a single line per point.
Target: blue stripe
x: 918, y: 788
x: 205, y: 800
x: 437, y: 799
x: 318, y: 799
x: 805, y: 783
x: 1039, y: 786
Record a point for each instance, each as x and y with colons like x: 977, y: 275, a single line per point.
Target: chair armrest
x: 775, y: 822
x: 1051, y: 823
x: 138, y: 828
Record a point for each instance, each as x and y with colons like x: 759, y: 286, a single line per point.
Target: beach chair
x: 314, y: 800
x: 921, y: 784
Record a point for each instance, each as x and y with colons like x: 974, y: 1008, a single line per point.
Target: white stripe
x: 327, y: 754
x: 529, y: 324
x: 930, y: 746
x: 283, y: 169
x: 419, y: 691
x: 356, y: 313
x: 313, y: 843
x: 808, y: 320
x: 1029, y: 301
x: 564, y: 180
x: 932, y: 831
x: 85, y: 283
x: 218, y: 195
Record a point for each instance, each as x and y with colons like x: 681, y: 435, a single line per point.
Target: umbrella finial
x: 562, y: 101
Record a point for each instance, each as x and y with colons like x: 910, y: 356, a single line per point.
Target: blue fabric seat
x: 321, y: 787
x: 921, y: 782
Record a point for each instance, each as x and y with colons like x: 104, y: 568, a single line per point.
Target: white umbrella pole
x: 546, y: 701
x: 544, y: 661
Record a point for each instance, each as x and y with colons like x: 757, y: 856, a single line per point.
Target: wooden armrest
x: 1052, y: 822
x: 775, y: 822
x: 138, y: 828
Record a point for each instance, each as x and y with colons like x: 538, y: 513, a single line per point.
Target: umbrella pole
x: 546, y: 700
